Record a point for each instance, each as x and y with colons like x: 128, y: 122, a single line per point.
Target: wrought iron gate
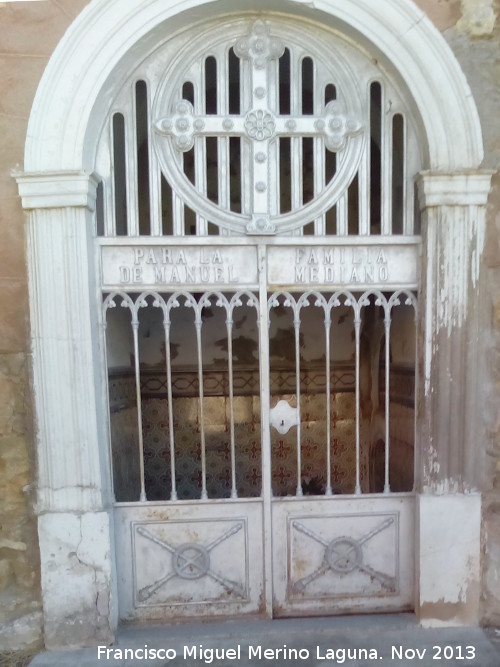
x: 333, y: 537
x: 254, y: 186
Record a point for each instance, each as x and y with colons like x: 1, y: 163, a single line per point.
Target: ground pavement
x: 352, y: 641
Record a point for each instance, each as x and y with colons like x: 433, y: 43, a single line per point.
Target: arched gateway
x: 233, y: 211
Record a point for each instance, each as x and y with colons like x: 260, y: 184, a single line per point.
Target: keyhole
x: 282, y: 422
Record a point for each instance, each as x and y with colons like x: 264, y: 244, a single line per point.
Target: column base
x: 448, y: 568
x: 77, y: 578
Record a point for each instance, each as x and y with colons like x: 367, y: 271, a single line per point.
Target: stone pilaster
x: 453, y: 210
x: 74, y: 487
x: 453, y: 222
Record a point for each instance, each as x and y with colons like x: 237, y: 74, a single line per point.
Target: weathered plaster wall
x: 472, y: 29
x: 490, y: 395
x: 476, y: 42
x: 29, y: 33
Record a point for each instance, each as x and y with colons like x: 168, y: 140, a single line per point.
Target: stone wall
x: 472, y: 29
x: 29, y: 33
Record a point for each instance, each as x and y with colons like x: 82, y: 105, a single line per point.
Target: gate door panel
x: 190, y: 561
x: 342, y: 555
x: 342, y: 439
x: 185, y: 422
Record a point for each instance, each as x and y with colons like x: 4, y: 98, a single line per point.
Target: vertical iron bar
x: 178, y: 215
x: 178, y: 228
x: 246, y: 100
x: 318, y: 153
x: 224, y: 176
x: 173, y: 493
x: 386, y: 169
x: 120, y: 176
x: 319, y: 179
x: 223, y: 156
x: 357, y: 327
x: 135, y: 330
x: 328, y: 323
x: 155, y: 193
x: 200, y: 150
x: 200, y: 161
x: 110, y: 187
x: 387, y: 326
x: 274, y: 146
x: 198, y: 324
x: 229, y: 326
x: 155, y: 203
x: 266, y: 457
x: 132, y: 175
x: 364, y: 191
x: 104, y: 320
x: 296, y: 174
x: 296, y: 324
x: 342, y: 210
x: 408, y: 222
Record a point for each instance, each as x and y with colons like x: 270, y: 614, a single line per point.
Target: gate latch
x: 283, y: 417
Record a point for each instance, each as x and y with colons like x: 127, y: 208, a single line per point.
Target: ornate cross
x: 260, y: 125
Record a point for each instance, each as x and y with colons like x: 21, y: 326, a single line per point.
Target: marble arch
x: 58, y: 191
x: 58, y: 134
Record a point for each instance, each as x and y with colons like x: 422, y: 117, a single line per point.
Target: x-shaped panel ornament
x: 190, y: 561
x: 344, y: 555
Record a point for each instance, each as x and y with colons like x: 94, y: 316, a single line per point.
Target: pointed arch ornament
x: 58, y: 190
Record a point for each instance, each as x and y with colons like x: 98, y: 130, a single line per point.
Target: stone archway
x: 58, y: 190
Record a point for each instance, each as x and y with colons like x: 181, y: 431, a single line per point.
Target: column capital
x: 57, y: 189
x: 465, y: 188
